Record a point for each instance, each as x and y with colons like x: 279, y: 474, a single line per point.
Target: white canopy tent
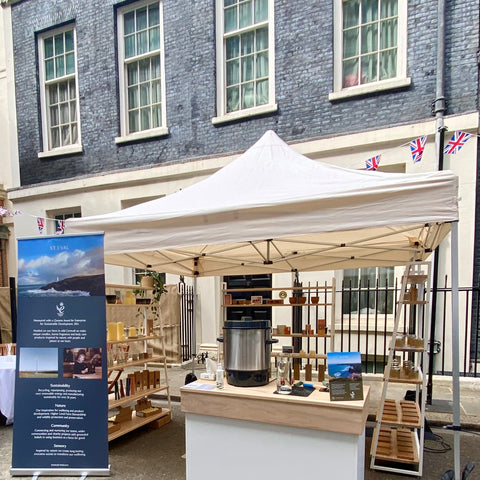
x: 274, y: 210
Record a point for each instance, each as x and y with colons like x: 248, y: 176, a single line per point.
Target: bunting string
x: 417, y: 147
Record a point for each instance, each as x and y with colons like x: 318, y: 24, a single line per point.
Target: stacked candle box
x: 137, y: 382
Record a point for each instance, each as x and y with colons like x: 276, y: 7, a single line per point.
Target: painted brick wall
x: 304, y: 78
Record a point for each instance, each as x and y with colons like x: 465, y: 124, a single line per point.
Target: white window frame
x: 271, y: 106
x: 47, y: 150
x: 401, y: 79
x: 125, y: 136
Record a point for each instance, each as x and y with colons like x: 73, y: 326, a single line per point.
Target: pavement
x: 159, y: 453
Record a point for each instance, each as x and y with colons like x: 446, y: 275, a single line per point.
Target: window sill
x: 245, y: 114
x: 145, y: 135
x: 57, y: 152
x: 370, y: 88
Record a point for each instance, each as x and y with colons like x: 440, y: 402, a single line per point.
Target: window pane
x: 247, y: 43
x: 261, y: 10
x: 145, y: 116
x: 230, y: 19
x: 59, y: 44
x: 64, y: 113
x: 73, y: 111
x: 154, y: 38
x: 248, y: 97
x: 262, y: 65
x: 65, y: 135
x: 129, y: 23
x: 52, y: 93
x: 69, y: 41
x: 62, y: 92
x: 389, y: 8
x: 350, y: 43
x: 369, y: 68
x: 141, y: 18
x: 144, y: 95
x: 232, y: 99
x: 232, y: 72
x: 59, y: 66
x: 156, y: 116
x: 55, y: 133
x: 227, y: 3
x: 156, y: 66
x: 370, y: 38
x: 132, y: 74
x: 262, y: 39
x: 142, y: 43
x: 74, y: 133
x: 129, y: 46
x: 133, y: 123
x: 49, y: 70
x: 156, y: 92
x: 48, y: 47
x: 132, y: 97
x: 369, y: 10
x: 247, y: 68
x: 388, y: 33
x: 388, y: 64
x: 153, y: 15
x: 245, y: 14
x: 54, y: 116
x: 350, y: 73
x: 262, y: 92
x: 232, y: 47
x: 144, y: 70
x: 71, y: 89
x: 70, y: 63
x: 351, y: 12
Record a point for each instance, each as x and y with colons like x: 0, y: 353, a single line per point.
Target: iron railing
x: 367, y: 316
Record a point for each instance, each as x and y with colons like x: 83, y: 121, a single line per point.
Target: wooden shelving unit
x: 157, y: 419
x: 398, y: 436
x: 310, y: 309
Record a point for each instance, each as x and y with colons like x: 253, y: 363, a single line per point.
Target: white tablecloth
x: 7, y: 386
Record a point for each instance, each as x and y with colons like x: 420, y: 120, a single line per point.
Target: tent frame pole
x: 455, y: 351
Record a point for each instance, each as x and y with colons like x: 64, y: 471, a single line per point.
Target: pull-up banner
x: 61, y: 402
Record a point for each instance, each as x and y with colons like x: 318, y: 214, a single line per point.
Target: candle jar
x: 284, y: 375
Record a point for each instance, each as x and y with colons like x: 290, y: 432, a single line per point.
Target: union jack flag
x: 41, y: 224
x: 417, y: 147
x: 458, y: 140
x: 372, y: 163
x: 3, y: 211
x: 60, y: 227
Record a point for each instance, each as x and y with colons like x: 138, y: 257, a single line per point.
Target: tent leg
x: 194, y: 316
x: 455, y: 350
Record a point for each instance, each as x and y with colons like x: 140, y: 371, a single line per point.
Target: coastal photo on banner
x: 61, y: 402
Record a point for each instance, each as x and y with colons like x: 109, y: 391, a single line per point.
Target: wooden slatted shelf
x: 403, y: 378
x: 160, y: 419
x: 133, y: 363
x: 136, y: 396
x: 401, y: 412
x: 397, y: 445
x: 416, y: 279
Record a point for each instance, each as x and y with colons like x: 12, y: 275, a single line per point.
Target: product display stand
x: 130, y: 387
x: 318, y: 310
x: 398, y: 438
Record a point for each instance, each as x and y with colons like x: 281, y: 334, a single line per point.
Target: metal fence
x: 366, y: 322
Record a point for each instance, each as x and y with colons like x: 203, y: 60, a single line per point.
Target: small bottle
x: 219, y: 376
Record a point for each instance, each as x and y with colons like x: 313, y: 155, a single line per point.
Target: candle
x: 120, y: 332
x: 132, y: 332
x: 112, y: 331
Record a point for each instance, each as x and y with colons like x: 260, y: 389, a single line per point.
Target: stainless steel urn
x: 247, y: 345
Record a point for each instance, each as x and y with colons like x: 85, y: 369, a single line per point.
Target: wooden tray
x: 396, y: 445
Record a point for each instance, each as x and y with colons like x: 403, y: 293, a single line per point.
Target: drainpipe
x: 438, y: 108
